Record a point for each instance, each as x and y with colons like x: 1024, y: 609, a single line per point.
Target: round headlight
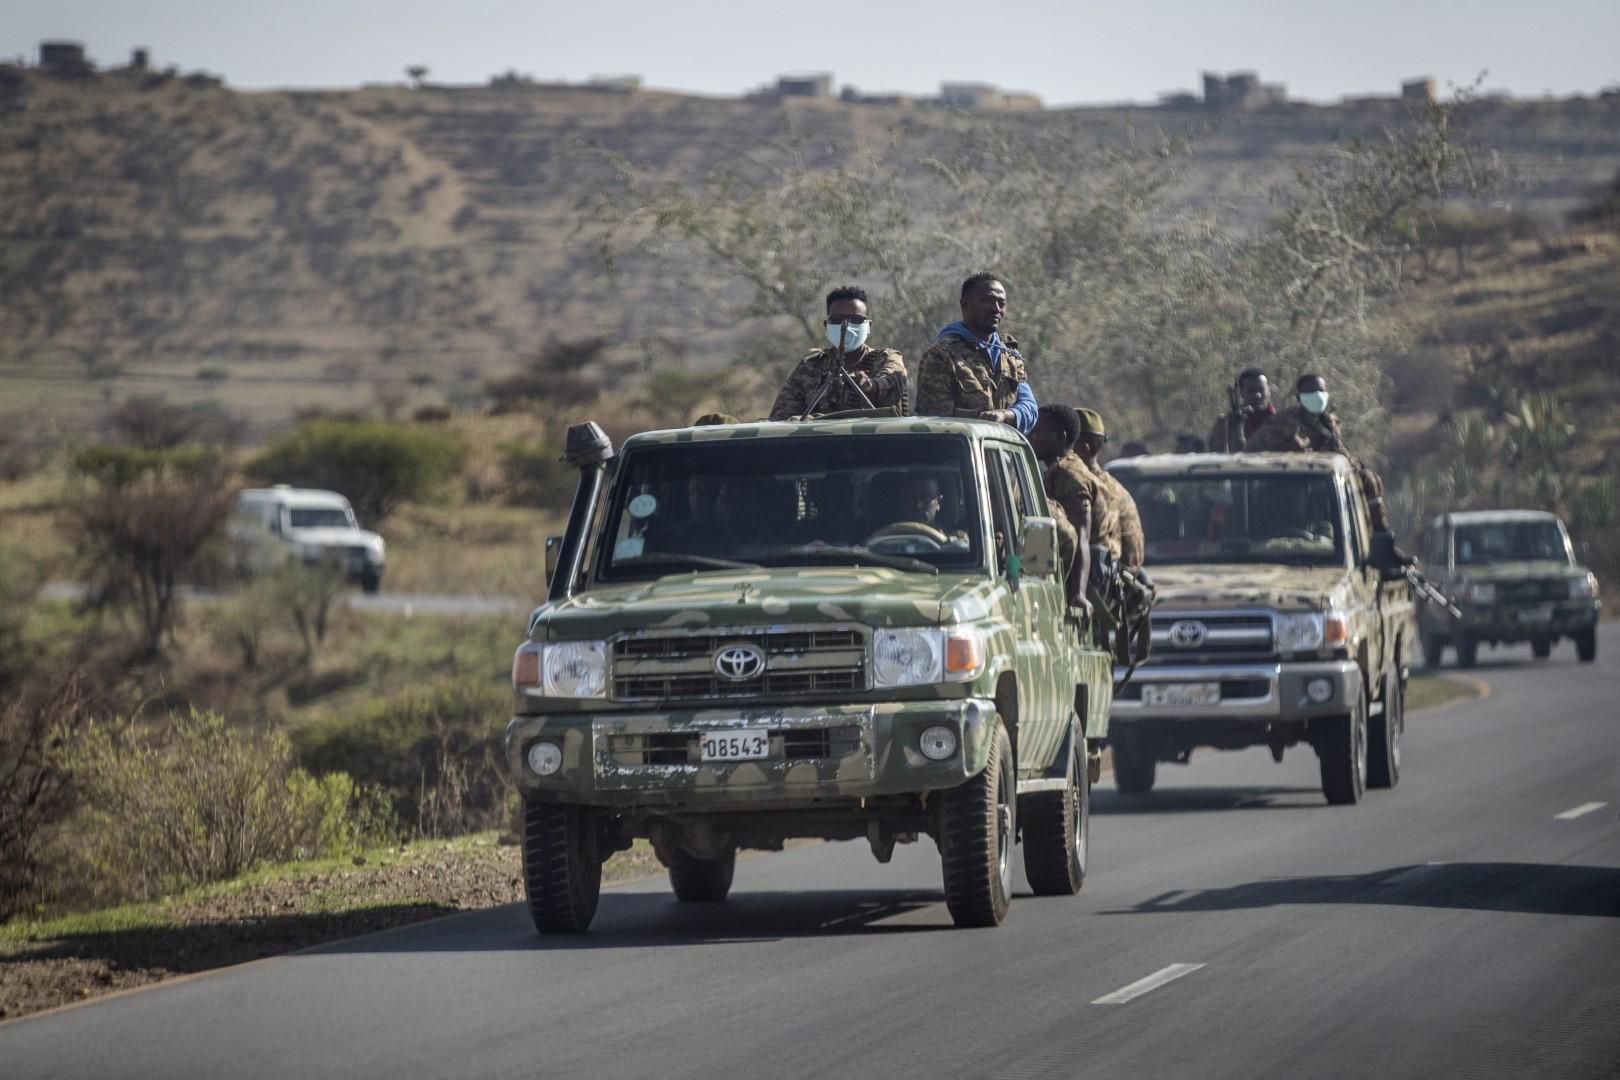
x: 1299, y: 633
x: 545, y: 758
x: 908, y: 657
x: 1320, y: 691
x: 576, y: 669
x: 937, y: 743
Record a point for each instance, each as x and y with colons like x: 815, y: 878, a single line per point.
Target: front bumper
x: 635, y: 759
x: 1263, y: 692
x: 1523, y: 622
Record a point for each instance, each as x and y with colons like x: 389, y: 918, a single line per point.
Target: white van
x: 269, y: 526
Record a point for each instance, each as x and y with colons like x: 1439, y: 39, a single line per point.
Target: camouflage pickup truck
x: 844, y: 629
x: 1273, y: 625
x: 1515, y: 577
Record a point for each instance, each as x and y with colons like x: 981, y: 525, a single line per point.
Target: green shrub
x: 436, y: 750
x: 377, y: 465
x: 537, y: 475
x: 191, y: 800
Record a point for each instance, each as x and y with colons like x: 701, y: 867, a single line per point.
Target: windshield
x: 320, y: 517
x: 1506, y: 541
x: 907, y: 503
x: 1242, y: 518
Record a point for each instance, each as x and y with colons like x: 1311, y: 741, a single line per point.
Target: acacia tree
x: 140, y: 520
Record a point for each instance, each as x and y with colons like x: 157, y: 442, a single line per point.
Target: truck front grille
x: 1532, y: 592
x: 1215, y: 637
x: 681, y: 667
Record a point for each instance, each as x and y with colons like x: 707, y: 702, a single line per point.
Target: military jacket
x: 1296, y: 431
x: 886, y: 367
x: 1132, y: 540
x: 1072, y: 486
x: 955, y: 378
x: 1105, y: 528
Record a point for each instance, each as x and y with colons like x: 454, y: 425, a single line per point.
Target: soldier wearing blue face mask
x: 879, y: 373
x: 1310, y: 426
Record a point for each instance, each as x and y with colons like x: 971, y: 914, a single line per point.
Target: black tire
x: 1434, y: 650
x: 1586, y: 645
x: 370, y: 581
x: 1342, y: 749
x: 1467, y: 651
x: 562, y: 867
x: 701, y: 881
x: 1134, y: 767
x: 979, y: 821
x: 1057, y: 834
x: 1384, y: 736
x: 1541, y: 648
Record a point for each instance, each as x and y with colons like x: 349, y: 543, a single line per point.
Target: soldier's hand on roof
x: 998, y: 416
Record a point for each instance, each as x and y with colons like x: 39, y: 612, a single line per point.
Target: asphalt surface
x: 1465, y: 924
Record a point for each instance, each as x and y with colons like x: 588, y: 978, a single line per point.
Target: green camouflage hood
x: 1287, y: 588
x: 871, y: 596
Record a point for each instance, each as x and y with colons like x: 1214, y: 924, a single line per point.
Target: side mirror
x: 1038, y: 547
x: 553, y: 556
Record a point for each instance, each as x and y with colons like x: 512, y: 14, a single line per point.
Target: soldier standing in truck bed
x: 1309, y: 425
x: 1072, y: 489
x: 880, y: 373
x: 971, y: 369
x: 1251, y: 409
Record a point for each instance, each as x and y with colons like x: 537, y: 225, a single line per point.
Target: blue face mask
x: 1315, y: 402
x: 854, y: 336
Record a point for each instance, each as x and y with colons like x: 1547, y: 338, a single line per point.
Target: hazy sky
x: 1065, y: 50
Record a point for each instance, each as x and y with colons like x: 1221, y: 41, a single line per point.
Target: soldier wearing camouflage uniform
x: 1072, y: 491
x: 1107, y: 529
x: 971, y: 370
x: 1309, y: 426
x: 880, y: 373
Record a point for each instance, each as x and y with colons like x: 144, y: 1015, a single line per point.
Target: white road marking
x: 1415, y: 872
x: 1579, y: 811
x: 1143, y: 986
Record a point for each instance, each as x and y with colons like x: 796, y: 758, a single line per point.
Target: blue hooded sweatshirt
x: 1024, y: 409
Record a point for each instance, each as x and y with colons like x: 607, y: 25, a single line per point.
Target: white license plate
x: 1536, y: 615
x: 748, y: 744
x: 1172, y: 694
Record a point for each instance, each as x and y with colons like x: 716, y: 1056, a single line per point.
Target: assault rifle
x: 1391, y: 563
x: 1427, y: 589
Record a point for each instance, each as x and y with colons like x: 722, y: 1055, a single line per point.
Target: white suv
x: 268, y: 526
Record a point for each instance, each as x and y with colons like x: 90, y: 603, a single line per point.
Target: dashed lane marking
x: 1151, y: 983
x: 1579, y: 811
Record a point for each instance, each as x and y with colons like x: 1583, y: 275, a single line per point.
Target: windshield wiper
x: 695, y: 560
x: 864, y: 555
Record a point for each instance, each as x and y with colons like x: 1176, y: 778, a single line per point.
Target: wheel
x: 370, y: 580
x: 1342, y: 750
x: 562, y: 869
x: 700, y: 881
x: 1434, y: 650
x: 1134, y: 767
x: 977, y: 828
x: 1541, y: 648
x: 1384, y: 736
x: 1467, y: 651
x: 1057, y: 834
x: 1586, y: 645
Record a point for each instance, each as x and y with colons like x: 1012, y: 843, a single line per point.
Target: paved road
x: 1466, y: 924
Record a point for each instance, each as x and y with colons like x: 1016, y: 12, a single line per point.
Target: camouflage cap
x: 1091, y: 423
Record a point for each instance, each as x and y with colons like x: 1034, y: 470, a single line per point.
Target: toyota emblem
x: 1188, y: 634
x: 739, y: 663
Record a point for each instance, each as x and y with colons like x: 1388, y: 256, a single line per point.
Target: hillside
x: 280, y: 250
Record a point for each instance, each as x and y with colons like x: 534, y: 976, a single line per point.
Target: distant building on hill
x: 623, y: 84
x: 64, y: 60
x: 979, y: 96
x: 1242, y: 90
x: 813, y: 85
x: 1418, y: 90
